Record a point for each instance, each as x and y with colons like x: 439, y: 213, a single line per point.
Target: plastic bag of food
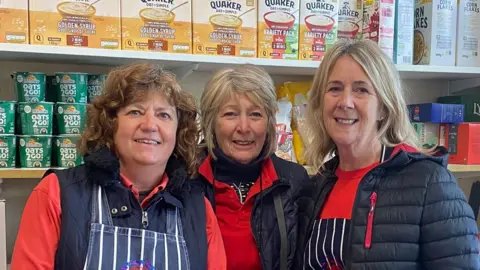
x: 283, y: 130
x: 298, y: 95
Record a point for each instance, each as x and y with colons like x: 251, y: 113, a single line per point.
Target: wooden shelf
x: 62, y: 54
x: 22, y: 173
x: 452, y: 167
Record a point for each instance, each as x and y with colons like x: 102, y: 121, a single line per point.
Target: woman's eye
x: 134, y: 112
x: 165, y: 116
x: 333, y: 89
x: 256, y: 114
x: 362, y: 90
x: 229, y: 114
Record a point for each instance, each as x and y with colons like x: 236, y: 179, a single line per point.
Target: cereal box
x: 157, y: 25
x: 468, y: 37
x: 225, y: 27
x: 14, y: 21
x: 403, y: 42
x: 378, y: 23
x: 278, y: 29
x: 435, y: 32
x: 318, y: 27
x: 84, y: 23
x: 350, y: 17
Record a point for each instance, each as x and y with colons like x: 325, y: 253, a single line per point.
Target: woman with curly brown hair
x: 130, y: 205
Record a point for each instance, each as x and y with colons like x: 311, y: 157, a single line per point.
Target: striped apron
x: 112, y: 247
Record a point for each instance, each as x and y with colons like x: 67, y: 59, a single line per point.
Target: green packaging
x: 7, y: 117
x: 66, y: 152
x: 30, y: 86
x: 8, y: 151
x: 96, y: 84
x: 70, y: 117
x: 35, y: 151
x: 36, y: 118
x: 71, y: 87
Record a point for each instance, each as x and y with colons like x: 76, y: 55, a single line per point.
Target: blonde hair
x: 393, y: 129
x: 250, y: 80
x: 128, y: 84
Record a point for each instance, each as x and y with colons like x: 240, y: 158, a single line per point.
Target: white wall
x: 16, y: 191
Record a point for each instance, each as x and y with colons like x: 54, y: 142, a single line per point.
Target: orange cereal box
x: 225, y: 27
x: 83, y: 23
x: 14, y: 21
x: 157, y: 25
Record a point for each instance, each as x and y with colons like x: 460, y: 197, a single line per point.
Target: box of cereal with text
x: 83, y: 23
x: 14, y: 21
x: 468, y: 38
x: 278, y: 29
x: 379, y: 23
x: 435, y: 32
x: 318, y: 28
x: 403, y: 43
x: 157, y: 25
x: 225, y: 27
x: 350, y: 16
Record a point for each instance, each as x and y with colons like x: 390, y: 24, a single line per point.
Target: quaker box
x: 462, y: 141
x: 436, y: 113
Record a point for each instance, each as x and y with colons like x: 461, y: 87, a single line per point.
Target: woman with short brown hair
x: 130, y: 205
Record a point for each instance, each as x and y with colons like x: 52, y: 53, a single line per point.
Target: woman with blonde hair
x: 130, y: 205
x: 250, y: 188
x: 382, y: 202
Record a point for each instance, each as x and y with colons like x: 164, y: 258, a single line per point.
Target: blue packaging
x: 437, y: 113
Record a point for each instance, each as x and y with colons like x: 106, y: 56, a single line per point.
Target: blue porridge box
x: 437, y: 113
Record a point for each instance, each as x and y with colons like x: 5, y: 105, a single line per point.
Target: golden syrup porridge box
x: 350, y: 17
x: 318, y: 28
x: 278, y: 25
x: 83, y: 23
x: 157, y: 25
x: 225, y: 27
x: 14, y: 21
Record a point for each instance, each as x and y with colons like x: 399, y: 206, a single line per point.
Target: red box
x: 462, y: 141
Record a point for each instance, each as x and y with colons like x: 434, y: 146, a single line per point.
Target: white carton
x: 468, y: 37
x: 379, y: 23
x: 435, y: 32
x: 350, y: 17
x: 403, y: 42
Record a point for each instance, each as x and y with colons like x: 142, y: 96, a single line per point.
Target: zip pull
x: 144, y: 219
x: 368, y: 233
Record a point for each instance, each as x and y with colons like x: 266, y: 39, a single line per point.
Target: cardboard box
x: 379, y: 23
x: 462, y: 141
x: 403, y: 40
x: 82, y: 23
x: 435, y: 32
x: 471, y: 103
x: 227, y: 28
x: 14, y: 21
x: 350, y: 18
x: 152, y: 26
x: 318, y: 28
x: 436, y: 113
x: 468, y: 36
x: 278, y: 26
x: 428, y: 133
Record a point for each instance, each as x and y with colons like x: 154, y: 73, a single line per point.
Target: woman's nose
x: 148, y: 123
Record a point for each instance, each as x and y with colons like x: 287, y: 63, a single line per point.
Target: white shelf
x: 59, y: 54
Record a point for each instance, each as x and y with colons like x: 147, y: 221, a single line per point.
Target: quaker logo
x: 137, y: 265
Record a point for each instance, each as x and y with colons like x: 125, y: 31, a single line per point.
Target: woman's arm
x: 216, y: 260
x: 448, y: 231
x: 39, y: 230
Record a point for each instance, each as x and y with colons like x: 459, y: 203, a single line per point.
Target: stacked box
x: 437, y: 113
x: 470, y: 102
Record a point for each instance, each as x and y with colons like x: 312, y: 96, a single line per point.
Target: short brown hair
x: 133, y: 82
x: 250, y: 80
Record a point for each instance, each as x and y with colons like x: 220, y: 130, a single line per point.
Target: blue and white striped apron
x: 112, y: 247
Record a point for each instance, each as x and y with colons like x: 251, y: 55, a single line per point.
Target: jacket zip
x: 371, y: 213
x: 144, y: 219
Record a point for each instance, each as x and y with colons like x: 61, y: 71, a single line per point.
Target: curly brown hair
x: 131, y: 83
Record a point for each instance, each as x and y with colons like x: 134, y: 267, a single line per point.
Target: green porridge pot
x: 35, y: 151
x: 95, y: 86
x: 7, y: 117
x: 51, y: 92
x: 30, y: 86
x: 65, y: 151
x: 36, y: 118
x: 8, y: 151
x: 71, y: 87
x: 70, y: 117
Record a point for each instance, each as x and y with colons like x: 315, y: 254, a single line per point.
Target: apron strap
x: 174, y: 222
x: 100, y: 208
